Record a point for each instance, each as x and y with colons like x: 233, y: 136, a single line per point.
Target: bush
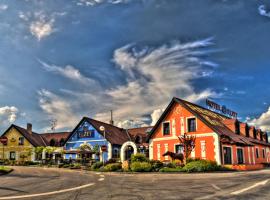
x: 156, y: 165
x: 168, y: 169
x: 5, y: 170
x: 96, y: 165
x: 140, y: 167
x: 75, y: 166
x: 139, y: 157
x: 110, y: 161
x: 201, y: 166
x: 192, y: 159
x: 113, y: 167
x: 27, y: 163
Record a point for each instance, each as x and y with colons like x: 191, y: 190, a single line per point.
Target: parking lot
x: 57, y: 184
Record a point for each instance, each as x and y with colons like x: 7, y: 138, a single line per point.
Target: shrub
x: 192, y: 159
x: 5, y: 170
x: 96, y: 165
x: 201, y: 166
x: 140, y: 167
x: 113, y: 167
x: 168, y: 169
x: 156, y: 165
x: 30, y: 163
x: 112, y: 160
x: 139, y: 157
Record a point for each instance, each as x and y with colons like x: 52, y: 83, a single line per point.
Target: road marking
x: 216, y: 187
x: 101, y: 179
x: 250, y: 187
x: 47, y: 193
x: 101, y: 175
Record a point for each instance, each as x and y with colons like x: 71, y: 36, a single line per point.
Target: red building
x: 218, y: 137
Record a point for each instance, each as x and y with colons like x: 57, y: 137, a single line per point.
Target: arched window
x: 52, y: 143
x: 138, y: 139
x: 62, y: 142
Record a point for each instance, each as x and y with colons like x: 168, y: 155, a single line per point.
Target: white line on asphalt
x: 47, y: 193
x: 216, y: 187
x: 101, y: 175
x: 101, y: 179
x: 250, y: 187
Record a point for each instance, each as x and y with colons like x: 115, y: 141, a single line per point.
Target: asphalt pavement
x: 60, y: 184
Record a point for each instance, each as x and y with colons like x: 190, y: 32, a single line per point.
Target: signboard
x: 86, y: 133
x: 103, y: 148
x: 221, y: 109
x: 4, y: 140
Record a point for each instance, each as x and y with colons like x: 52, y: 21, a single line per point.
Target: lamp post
x: 102, y: 128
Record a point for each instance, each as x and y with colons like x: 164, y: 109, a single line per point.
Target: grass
x: 5, y: 170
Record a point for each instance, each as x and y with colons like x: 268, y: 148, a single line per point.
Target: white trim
x: 182, y: 125
x: 253, y: 152
x: 173, y: 127
x: 123, y: 148
x: 151, y: 150
x: 166, y: 147
x: 191, y: 117
x: 175, y: 137
x: 158, y: 151
x: 224, y: 156
x: 249, y: 158
x: 109, y: 151
x: 203, y: 149
x: 169, y: 128
x: 86, y: 141
x: 217, y: 148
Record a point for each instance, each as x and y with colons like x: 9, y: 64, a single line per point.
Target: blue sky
x: 68, y: 59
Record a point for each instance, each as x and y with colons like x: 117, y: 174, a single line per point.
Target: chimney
x: 259, y: 134
x: 29, y: 128
x: 111, y: 121
x: 252, y: 132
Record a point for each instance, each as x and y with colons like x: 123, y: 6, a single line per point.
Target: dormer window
x: 247, y: 131
x: 166, y: 128
x: 191, y: 123
x: 237, y: 127
x: 254, y: 133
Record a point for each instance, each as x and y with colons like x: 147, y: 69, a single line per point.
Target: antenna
x: 111, y: 121
x: 53, y: 124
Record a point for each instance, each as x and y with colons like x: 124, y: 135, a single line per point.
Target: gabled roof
x: 213, y: 120
x: 113, y: 134
x: 34, y: 138
x: 141, y: 132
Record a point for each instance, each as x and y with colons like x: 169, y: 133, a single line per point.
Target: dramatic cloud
x: 57, y: 108
x: 263, y: 11
x: 262, y: 122
x: 155, y: 75
x: 8, y: 114
x: 68, y: 71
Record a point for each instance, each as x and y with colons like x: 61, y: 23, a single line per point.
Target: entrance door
x: 129, y: 152
x: 12, y: 155
x: 240, y: 157
x: 227, y: 152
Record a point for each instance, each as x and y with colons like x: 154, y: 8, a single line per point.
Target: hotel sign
x: 221, y: 109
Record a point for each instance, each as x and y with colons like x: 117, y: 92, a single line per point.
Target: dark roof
x: 113, y: 134
x: 213, y: 120
x: 56, y: 136
x: 141, y: 132
x: 34, y: 138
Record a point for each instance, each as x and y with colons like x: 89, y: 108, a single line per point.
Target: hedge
x: 139, y: 157
x: 201, y: 166
x: 140, y: 167
x: 113, y: 167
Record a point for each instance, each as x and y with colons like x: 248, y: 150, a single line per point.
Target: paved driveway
x: 55, y: 184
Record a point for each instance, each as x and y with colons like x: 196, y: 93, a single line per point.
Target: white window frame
x: 196, y: 123
x: 243, y: 150
x: 169, y: 127
x: 223, y: 153
x: 158, y: 151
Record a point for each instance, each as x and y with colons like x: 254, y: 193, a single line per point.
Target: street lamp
x: 102, y: 128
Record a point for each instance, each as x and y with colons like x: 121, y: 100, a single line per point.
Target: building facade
x: 96, y: 140
x: 219, y: 138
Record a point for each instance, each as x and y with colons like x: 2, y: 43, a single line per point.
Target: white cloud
x: 3, y: 7
x: 42, y: 28
x: 57, y: 108
x: 131, y: 124
x: 8, y: 114
x: 263, y: 11
x: 263, y: 121
x: 155, y: 75
x: 68, y: 71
